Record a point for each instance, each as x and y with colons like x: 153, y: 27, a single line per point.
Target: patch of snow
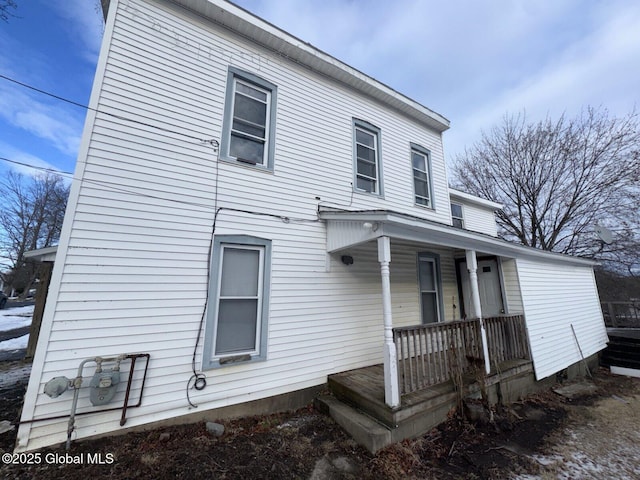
x: 15, y: 343
x: 17, y: 317
x: 17, y: 374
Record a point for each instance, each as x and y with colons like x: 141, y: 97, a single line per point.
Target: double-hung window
x: 367, y: 157
x: 429, y: 282
x: 238, y: 309
x: 249, y: 120
x: 457, y: 219
x: 421, y: 163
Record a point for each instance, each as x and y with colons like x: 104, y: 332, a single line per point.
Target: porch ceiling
x: 346, y: 229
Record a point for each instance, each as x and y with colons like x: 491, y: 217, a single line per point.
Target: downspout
x: 472, y: 266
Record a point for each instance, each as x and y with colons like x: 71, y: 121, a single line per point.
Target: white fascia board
x: 47, y: 254
x: 482, y: 202
x: 281, y: 43
x: 405, y: 227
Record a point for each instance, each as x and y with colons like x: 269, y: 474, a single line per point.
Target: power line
x: 119, y: 117
x: 44, y: 169
x: 118, y: 188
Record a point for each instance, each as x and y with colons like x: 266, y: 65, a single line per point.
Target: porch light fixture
x: 371, y: 226
x: 347, y: 259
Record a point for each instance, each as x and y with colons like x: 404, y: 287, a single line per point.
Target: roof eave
x: 403, y: 226
x: 246, y: 24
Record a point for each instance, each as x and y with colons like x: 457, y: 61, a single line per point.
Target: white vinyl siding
x: 555, y: 298
x: 477, y: 218
x: 133, y: 266
x: 366, y: 148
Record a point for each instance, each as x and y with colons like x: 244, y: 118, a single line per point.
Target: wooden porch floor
x: 363, y: 388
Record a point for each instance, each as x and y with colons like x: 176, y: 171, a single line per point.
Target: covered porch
x: 449, y: 333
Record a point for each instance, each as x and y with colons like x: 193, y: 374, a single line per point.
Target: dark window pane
x: 252, y: 92
x: 423, y: 201
x: 429, y: 307
x: 237, y: 324
x: 367, y: 169
x: 366, y: 153
x: 244, y: 148
x: 240, y: 126
x: 422, y: 188
x: 420, y: 175
x: 457, y: 222
x: 456, y: 210
x: 427, y: 276
x: 366, y: 185
x: 365, y: 138
x: 250, y: 110
x: 418, y: 161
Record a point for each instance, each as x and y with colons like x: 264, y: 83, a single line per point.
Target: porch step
x: 362, y: 428
x: 372, y: 434
x: 357, y: 403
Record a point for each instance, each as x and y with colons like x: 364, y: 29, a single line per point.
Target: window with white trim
x: 238, y: 300
x: 421, y: 164
x: 457, y: 220
x: 366, y: 139
x: 248, y: 131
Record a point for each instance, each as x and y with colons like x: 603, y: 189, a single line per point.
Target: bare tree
x: 559, y: 179
x: 31, y: 218
x: 6, y: 7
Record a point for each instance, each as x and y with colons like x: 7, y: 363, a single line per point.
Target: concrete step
x: 363, y: 429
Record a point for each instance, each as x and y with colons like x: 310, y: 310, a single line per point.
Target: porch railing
x: 434, y: 353
x: 621, y: 314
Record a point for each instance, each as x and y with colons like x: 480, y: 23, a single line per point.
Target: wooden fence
x: 434, y: 353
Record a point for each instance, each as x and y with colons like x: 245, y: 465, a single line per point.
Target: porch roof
x: 346, y: 229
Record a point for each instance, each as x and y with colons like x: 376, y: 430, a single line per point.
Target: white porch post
x: 391, y: 385
x: 472, y: 266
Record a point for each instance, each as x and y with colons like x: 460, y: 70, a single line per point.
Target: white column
x: 472, y: 266
x: 391, y: 385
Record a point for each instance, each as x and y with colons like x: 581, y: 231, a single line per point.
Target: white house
x: 255, y: 215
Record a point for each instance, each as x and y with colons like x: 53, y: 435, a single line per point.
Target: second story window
x: 367, y: 158
x: 457, y: 219
x: 421, y: 163
x: 249, y: 120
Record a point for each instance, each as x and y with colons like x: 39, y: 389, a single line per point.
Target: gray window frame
x: 435, y: 258
x: 461, y: 217
x: 377, y: 133
x: 209, y: 358
x: 419, y: 149
x: 233, y: 75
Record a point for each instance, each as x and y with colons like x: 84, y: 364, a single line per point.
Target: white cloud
x: 600, y: 68
x: 53, y: 123
x: 12, y: 153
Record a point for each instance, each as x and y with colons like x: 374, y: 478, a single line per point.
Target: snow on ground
x: 17, y: 317
x: 602, y: 441
x: 11, y: 318
x: 15, y: 343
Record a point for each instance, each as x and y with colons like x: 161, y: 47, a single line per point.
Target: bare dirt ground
x: 545, y: 436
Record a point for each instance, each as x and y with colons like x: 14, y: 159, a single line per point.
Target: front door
x: 488, y: 287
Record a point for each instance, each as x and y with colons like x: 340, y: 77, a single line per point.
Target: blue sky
x: 472, y: 62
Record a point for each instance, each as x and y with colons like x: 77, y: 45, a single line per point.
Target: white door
x: 488, y: 287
